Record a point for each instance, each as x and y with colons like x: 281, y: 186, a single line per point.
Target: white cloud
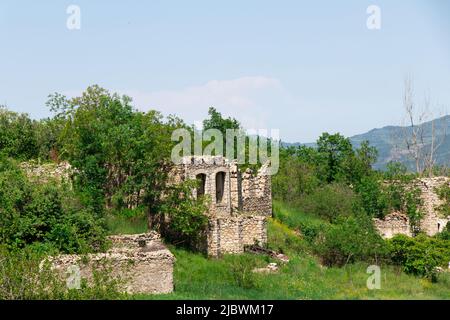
x: 249, y: 99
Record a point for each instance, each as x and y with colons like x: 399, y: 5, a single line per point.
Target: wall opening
x: 201, y: 178
x: 439, y: 227
x: 220, y: 186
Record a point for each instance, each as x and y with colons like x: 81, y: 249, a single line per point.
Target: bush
x: 420, y: 255
x: 182, y: 218
x: 444, y: 194
x: 350, y: 239
x: 330, y: 202
x: 373, y: 198
x: 47, y: 213
x: 23, y: 275
x: 241, y: 268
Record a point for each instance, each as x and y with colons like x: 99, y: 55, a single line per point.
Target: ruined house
x: 239, y: 205
x: 433, y: 221
x: 140, y: 262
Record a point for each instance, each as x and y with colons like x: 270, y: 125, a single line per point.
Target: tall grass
x: 197, y: 277
x: 129, y: 222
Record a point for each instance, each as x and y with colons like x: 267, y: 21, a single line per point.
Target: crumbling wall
x: 235, y: 188
x: 231, y: 234
x: 61, y: 172
x: 257, y: 192
x: 433, y: 222
x: 141, y: 262
x: 240, y: 218
x: 254, y: 230
x: 210, y: 166
x: 392, y: 224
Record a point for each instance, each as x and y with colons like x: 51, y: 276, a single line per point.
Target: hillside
x: 303, y: 277
x: 391, y: 146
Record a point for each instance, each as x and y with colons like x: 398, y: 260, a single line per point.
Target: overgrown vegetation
x: 26, y: 274
x: 444, y: 194
x: 46, y: 214
x: 197, y: 277
x: 335, y: 184
x: 325, y: 198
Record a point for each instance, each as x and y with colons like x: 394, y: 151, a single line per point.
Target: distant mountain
x: 390, y: 142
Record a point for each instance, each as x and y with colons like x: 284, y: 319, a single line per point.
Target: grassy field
x: 121, y: 224
x: 231, y: 277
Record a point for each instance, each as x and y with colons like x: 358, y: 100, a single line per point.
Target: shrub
x: 330, y: 202
x: 373, y: 198
x: 23, y: 275
x: 47, y: 213
x: 444, y: 194
x: 348, y: 240
x: 420, y: 255
x: 182, y: 218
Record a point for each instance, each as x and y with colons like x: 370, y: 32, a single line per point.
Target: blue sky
x: 301, y: 67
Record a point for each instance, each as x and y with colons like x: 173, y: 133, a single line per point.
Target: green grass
x: 122, y: 224
x: 197, y: 277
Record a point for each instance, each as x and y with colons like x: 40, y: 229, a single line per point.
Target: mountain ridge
x: 390, y: 142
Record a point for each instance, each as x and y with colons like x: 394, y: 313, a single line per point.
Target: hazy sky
x: 301, y: 67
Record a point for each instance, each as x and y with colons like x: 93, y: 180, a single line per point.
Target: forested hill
x: 390, y: 142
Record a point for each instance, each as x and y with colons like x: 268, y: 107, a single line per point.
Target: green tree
x: 334, y: 150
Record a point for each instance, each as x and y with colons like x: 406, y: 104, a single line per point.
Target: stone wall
x: 257, y: 192
x: 210, y: 166
x: 392, y: 224
x: 61, y: 172
x: 141, y: 262
x: 254, y: 230
x: 432, y: 223
x: 231, y: 235
x: 240, y: 218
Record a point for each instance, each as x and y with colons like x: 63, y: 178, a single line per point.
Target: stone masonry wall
x: 256, y: 192
x: 432, y: 223
x: 142, y: 262
x: 240, y: 218
x: 231, y: 235
x: 392, y: 224
x: 210, y: 166
x: 254, y: 230
x: 44, y: 172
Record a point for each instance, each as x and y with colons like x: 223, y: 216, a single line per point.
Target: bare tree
x: 420, y: 146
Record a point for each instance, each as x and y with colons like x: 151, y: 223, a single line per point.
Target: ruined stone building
x: 239, y: 205
x: 140, y: 262
x: 433, y: 221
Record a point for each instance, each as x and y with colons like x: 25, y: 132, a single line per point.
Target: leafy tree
x: 49, y: 213
x: 122, y: 156
x: 217, y: 121
x: 333, y: 149
x: 18, y: 138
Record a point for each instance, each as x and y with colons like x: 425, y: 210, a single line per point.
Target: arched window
x: 220, y: 186
x: 201, y: 178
